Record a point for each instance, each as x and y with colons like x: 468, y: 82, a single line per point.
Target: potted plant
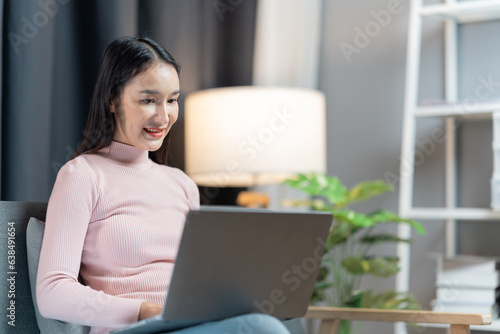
x: 352, y: 235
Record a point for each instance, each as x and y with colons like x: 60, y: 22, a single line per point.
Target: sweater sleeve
x: 193, y: 195
x: 59, y: 293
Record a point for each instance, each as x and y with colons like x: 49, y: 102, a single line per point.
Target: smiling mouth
x: 154, y: 132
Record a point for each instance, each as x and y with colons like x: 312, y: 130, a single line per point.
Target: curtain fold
x: 287, y: 43
x: 27, y: 107
x: 1, y: 83
x: 50, y: 62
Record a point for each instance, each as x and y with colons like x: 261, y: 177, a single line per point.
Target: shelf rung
x: 465, y: 11
x: 455, y: 213
x: 457, y: 109
x: 494, y: 327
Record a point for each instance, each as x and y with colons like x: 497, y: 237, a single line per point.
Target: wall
x: 365, y: 94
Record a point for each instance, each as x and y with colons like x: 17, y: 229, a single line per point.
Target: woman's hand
x: 148, y: 310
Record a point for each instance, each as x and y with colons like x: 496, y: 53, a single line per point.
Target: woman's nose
x: 161, y: 114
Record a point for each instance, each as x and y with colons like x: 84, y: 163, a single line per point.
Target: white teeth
x: 151, y: 130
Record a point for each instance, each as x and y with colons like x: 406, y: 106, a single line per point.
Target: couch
x: 16, y: 299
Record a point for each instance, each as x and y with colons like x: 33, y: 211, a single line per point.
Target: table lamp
x: 248, y: 135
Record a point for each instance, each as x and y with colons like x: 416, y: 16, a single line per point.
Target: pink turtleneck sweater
x: 114, y: 217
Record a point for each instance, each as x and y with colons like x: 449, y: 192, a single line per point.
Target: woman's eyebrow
x: 149, y: 91
x: 152, y: 91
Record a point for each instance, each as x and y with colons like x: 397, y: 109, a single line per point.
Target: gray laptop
x: 234, y: 261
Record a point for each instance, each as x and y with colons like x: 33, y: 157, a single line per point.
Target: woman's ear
x: 111, y: 105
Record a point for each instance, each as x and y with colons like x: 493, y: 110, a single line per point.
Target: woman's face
x: 148, y: 108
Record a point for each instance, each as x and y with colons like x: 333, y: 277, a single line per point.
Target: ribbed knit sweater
x: 115, y: 218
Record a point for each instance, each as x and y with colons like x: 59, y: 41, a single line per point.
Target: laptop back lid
x: 238, y: 261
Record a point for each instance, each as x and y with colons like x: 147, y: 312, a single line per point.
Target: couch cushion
x: 34, y: 237
x: 15, y: 216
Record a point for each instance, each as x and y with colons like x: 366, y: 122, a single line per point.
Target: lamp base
x: 253, y: 199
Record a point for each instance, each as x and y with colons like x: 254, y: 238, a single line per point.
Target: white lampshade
x: 245, y: 136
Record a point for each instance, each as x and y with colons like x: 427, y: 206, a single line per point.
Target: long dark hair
x: 123, y: 59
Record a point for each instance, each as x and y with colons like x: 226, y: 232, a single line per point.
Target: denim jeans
x: 245, y: 324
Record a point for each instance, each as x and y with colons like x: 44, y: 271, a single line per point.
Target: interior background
x: 47, y: 82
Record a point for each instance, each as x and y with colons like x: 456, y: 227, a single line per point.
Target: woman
x: 116, y: 213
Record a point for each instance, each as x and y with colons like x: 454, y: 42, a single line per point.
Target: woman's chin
x: 151, y: 144
x: 154, y: 146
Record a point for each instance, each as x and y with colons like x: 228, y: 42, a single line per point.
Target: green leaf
x: 384, y: 266
x: 356, y: 265
x: 355, y: 299
x: 319, y: 184
x: 386, y: 216
x: 389, y: 300
x: 366, y: 190
x: 335, y: 192
x: 340, y: 233
x: 322, y: 274
x: 320, y: 205
x: 354, y: 218
x: 298, y: 181
x: 321, y: 285
x: 380, y: 238
x: 377, y: 266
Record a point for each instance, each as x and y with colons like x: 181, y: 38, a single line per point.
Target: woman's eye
x: 148, y: 101
x: 172, y: 100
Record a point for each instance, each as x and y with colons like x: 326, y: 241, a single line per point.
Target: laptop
x: 235, y: 261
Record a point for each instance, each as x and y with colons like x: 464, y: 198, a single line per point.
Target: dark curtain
x: 50, y: 56
x: 1, y: 74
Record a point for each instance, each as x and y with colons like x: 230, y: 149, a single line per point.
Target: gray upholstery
x: 18, y: 213
x: 26, y: 315
x: 34, y: 238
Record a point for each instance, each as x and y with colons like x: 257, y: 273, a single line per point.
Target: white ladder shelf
x: 452, y: 13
